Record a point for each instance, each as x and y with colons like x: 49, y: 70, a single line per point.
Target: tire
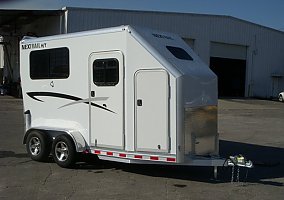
x: 38, y: 146
x: 281, y: 98
x: 64, y: 151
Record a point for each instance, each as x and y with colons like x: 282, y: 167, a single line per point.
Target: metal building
x: 248, y: 58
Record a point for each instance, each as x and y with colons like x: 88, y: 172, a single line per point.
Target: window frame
x: 105, y: 83
x: 50, y: 67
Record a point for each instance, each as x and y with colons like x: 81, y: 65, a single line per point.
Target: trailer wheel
x: 64, y: 151
x: 38, y: 146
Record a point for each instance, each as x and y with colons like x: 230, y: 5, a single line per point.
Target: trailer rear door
x: 151, y: 102
x: 106, y: 99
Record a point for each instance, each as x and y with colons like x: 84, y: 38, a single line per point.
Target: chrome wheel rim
x: 61, y: 151
x: 35, y: 146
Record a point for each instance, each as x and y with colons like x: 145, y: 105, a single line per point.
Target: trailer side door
x: 106, y: 92
x: 151, y: 117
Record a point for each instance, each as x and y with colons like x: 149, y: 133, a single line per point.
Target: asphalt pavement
x: 254, y: 128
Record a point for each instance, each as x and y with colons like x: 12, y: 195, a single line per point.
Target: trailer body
x: 127, y: 94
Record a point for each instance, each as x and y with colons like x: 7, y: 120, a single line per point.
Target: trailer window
x: 49, y: 64
x: 105, y: 72
x: 179, y: 53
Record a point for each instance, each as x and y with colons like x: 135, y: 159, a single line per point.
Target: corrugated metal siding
x: 190, y: 42
x: 265, y: 46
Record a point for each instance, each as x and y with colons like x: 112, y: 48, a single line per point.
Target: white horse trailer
x: 126, y: 94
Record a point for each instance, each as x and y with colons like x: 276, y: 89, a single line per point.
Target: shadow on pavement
x: 268, y: 163
x: 11, y: 154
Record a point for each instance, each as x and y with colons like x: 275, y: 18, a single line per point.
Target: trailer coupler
x: 238, y: 161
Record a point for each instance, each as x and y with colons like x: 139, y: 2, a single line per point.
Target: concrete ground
x: 252, y: 127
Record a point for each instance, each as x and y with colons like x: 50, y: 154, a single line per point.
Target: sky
x: 269, y: 13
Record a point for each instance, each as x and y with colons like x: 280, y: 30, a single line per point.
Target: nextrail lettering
x: 33, y: 46
x: 162, y: 36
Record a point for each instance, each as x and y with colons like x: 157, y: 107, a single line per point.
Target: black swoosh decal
x: 34, y: 96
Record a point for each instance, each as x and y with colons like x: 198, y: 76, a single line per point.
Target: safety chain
x: 238, y: 161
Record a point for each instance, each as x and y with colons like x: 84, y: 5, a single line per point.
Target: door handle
x: 139, y: 102
x: 92, y: 93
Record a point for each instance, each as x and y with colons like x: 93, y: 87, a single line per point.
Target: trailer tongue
x: 237, y: 161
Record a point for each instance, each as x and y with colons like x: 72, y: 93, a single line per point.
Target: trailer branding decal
x: 33, y: 46
x: 162, y: 36
x: 35, y: 95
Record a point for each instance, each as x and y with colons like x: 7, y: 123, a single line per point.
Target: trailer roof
x: 76, y: 34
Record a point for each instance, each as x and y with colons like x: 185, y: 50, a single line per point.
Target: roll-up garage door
x: 229, y: 64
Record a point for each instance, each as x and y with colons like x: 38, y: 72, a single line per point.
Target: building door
x: 231, y: 76
x: 151, y: 117
x: 228, y: 62
x: 106, y: 99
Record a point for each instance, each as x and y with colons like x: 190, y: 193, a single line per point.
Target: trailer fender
x: 30, y: 130
x: 76, y: 136
x: 78, y: 139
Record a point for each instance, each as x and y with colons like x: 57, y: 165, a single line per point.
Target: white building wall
x: 265, y: 46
